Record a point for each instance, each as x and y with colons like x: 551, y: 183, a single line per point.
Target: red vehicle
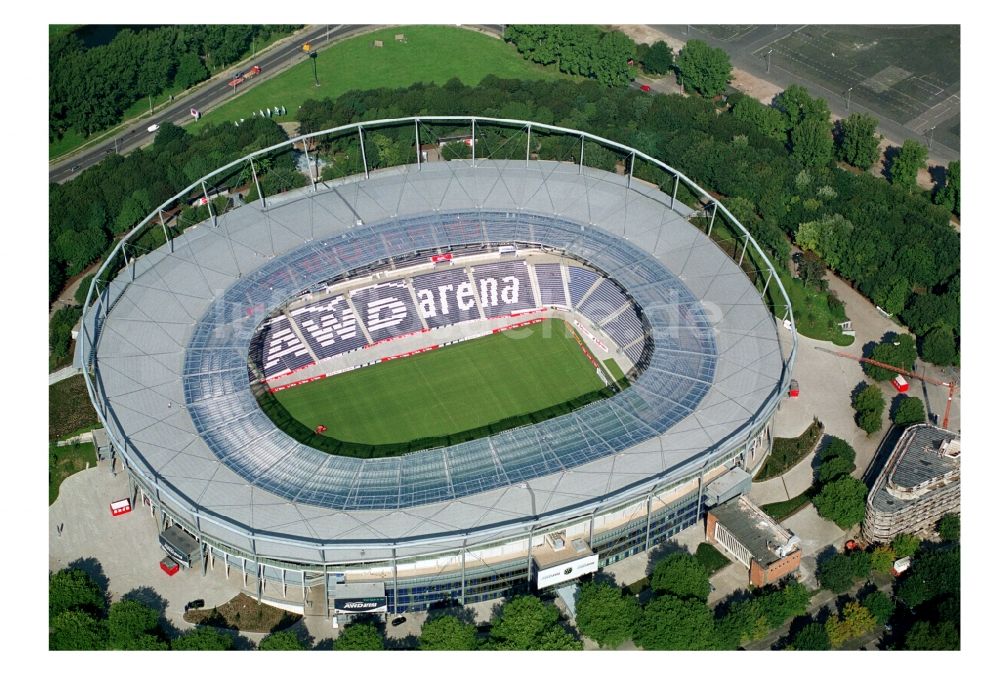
x: 851, y: 545
x: 241, y: 76
x: 899, y: 382
x: 644, y: 88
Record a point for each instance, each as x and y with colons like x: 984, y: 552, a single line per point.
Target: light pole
x: 930, y: 138
x: 307, y: 48
x: 769, y: 60
x: 849, y: 100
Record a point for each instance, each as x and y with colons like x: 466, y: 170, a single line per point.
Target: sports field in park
x: 449, y: 390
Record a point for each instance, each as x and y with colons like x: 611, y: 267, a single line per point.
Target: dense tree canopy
x: 203, y: 638
x: 671, y: 623
x: 949, y: 196
x: 682, y: 575
x: 908, y: 161
x: 896, y: 350
x: 813, y: 636
x: 703, y: 69
x: 798, y: 106
x: 604, y: 614
x: 855, y: 620
x: 858, y: 144
x: 282, y: 640
x: 73, y: 589
x: 77, y: 630
x: 91, y: 87
x: 134, y: 626
x: 909, y: 411
x: 657, y: 59
x: 812, y: 143
x: 360, y: 635
x: 950, y: 527
x: 869, y: 404
x: 447, y: 632
x: 842, y: 501
x: 577, y: 49
x: 528, y: 623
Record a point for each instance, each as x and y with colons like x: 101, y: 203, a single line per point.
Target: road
x: 203, y: 97
x: 206, y: 95
x: 741, y: 50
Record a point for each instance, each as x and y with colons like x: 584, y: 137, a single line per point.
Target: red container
x: 169, y: 566
x: 793, y: 389
x: 899, y: 382
x: 119, y: 507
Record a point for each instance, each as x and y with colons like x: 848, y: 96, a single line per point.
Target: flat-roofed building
x: 768, y: 550
x: 919, y: 484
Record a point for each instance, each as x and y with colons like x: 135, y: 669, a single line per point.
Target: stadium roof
x: 171, y: 359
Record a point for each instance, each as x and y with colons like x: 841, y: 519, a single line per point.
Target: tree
x: 949, y: 527
x: 131, y: 625
x: 360, y: 635
x: 858, y: 143
x: 932, y: 575
x: 938, y: 346
x: 704, y: 69
x: 610, y: 57
x: 76, y: 630
x: 835, y: 573
x: 73, y: 589
x: 909, y: 411
x: 671, y: 623
x: 933, y: 636
x: 766, y: 120
x: 837, y: 448
x: 813, y: 636
x: 882, y: 558
x: 812, y: 143
x: 203, y: 638
x: 905, y: 544
x: 527, y: 623
x: 658, y: 59
x: 842, y: 501
x: 880, y: 606
x: 950, y: 194
x: 80, y: 295
x: 190, y: 70
x: 899, y: 350
x: 798, y: 106
x: 282, y: 640
x: 855, y: 621
x: 908, y: 161
x: 682, y: 575
x: 833, y: 468
x: 447, y: 632
x: 606, y: 615
x: 869, y: 404
x: 831, y: 237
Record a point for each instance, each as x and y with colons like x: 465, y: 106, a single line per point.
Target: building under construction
x: 919, y: 484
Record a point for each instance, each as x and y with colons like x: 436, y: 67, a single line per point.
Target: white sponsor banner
x: 569, y: 570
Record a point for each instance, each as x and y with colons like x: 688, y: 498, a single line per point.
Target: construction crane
x: 952, y: 386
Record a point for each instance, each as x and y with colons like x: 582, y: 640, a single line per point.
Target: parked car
x: 194, y: 605
x: 645, y: 88
x: 396, y: 621
x: 152, y: 128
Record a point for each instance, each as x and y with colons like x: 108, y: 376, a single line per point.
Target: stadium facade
x: 167, y: 333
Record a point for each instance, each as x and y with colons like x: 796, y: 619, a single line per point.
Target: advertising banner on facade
x: 376, y: 604
x: 569, y: 570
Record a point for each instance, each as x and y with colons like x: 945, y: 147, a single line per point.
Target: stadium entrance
x: 347, y: 600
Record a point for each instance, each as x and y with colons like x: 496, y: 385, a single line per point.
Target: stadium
x: 634, y: 365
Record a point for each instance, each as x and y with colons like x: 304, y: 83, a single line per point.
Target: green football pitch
x: 450, y: 390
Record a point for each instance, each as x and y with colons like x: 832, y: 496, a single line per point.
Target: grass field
x: 65, y: 461
x: 430, y: 54
x: 456, y: 388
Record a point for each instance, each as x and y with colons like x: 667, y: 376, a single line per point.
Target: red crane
x: 889, y: 367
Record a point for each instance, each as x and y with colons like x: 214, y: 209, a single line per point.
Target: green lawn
x: 447, y: 391
x: 614, y: 369
x: 430, y: 54
x: 779, y: 511
x: 65, y: 461
x: 711, y: 559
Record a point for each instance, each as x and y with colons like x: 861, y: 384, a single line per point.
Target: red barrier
x: 537, y: 320
x: 285, y: 375
x: 410, y: 353
x: 279, y: 388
